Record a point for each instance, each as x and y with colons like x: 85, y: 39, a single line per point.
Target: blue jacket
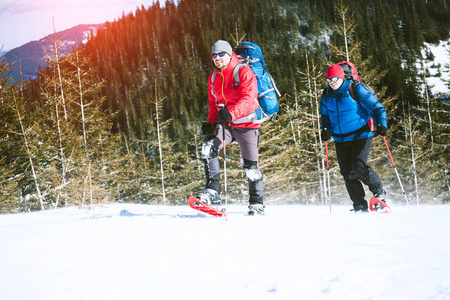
x: 341, y: 114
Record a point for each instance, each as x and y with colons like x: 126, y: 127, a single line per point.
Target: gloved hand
x: 381, y: 130
x: 207, y: 128
x: 224, y: 114
x: 325, y: 135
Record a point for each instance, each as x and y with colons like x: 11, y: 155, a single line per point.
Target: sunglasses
x: 334, y: 79
x: 220, y: 54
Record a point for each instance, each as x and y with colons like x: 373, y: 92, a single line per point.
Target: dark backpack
x: 351, y: 74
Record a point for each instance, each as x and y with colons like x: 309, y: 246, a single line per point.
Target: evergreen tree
x: 10, y: 197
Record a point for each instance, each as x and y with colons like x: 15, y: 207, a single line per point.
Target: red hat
x: 335, y: 71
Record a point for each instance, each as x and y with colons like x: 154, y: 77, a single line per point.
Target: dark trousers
x: 352, y: 157
x: 248, y: 140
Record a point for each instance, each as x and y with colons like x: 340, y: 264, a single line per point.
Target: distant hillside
x: 32, y: 54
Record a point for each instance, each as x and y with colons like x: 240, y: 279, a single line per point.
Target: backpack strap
x: 325, y: 94
x: 274, y: 85
x: 213, y: 76
x: 352, y: 91
x: 236, y: 74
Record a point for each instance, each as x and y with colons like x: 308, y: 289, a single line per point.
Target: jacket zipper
x: 337, y: 115
x: 223, y: 79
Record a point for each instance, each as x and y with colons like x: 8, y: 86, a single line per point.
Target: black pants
x: 352, y: 157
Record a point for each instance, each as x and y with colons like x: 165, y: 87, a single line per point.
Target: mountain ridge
x: 31, y: 55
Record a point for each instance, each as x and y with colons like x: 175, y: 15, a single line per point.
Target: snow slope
x: 439, y: 68
x: 131, y: 251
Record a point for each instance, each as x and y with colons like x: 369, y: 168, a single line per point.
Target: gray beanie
x: 221, y: 45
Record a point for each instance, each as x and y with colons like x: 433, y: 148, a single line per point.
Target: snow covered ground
x: 131, y: 251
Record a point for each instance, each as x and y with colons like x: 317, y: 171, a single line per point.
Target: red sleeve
x: 248, y: 93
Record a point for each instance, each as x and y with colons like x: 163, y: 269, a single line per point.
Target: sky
x: 23, y: 21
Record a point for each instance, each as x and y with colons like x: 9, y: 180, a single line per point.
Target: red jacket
x: 240, y: 100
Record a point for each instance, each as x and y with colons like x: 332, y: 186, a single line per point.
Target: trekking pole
x: 396, y: 172
x: 328, y: 175
x: 221, y: 105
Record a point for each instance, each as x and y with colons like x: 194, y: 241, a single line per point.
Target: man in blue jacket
x: 346, y: 120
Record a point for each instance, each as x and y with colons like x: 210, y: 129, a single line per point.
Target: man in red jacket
x: 229, y: 103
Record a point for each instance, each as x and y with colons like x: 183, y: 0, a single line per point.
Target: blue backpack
x: 267, y: 90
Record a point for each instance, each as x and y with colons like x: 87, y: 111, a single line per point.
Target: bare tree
x: 24, y: 133
x: 53, y: 90
x: 158, y: 102
x: 311, y: 76
x: 345, y: 29
x: 80, y: 92
x: 57, y: 64
x: 413, y: 158
x: 237, y: 38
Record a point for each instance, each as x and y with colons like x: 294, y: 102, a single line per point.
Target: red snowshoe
x: 378, y: 205
x: 200, y: 206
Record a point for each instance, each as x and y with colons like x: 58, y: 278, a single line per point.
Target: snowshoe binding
x: 210, y: 197
x: 255, y: 209
x: 379, y: 205
x: 197, y: 204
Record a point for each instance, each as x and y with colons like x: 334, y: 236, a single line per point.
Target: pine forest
x: 119, y: 118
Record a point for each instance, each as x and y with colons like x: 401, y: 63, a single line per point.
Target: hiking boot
x: 210, y: 197
x: 381, y: 195
x: 378, y: 206
x: 255, y: 209
x: 360, y: 207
